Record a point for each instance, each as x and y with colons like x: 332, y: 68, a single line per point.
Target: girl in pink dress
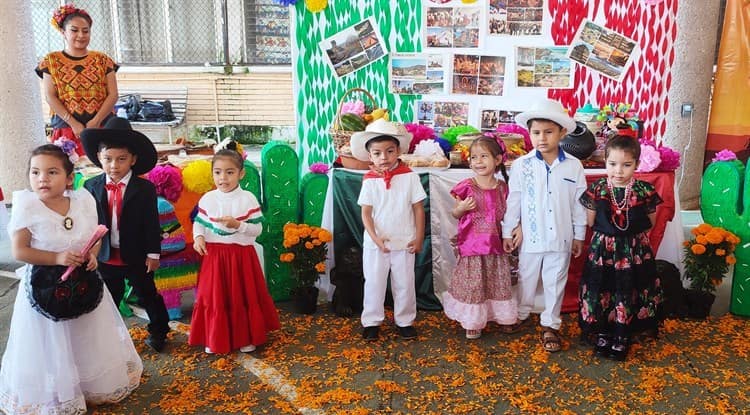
x: 480, y: 288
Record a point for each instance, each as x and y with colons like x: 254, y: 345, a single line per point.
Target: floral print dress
x: 620, y: 291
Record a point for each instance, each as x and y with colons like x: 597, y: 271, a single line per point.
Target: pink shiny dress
x: 480, y: 288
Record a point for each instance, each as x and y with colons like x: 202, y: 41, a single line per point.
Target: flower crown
x: 59, y: 15
x: 68, y: 147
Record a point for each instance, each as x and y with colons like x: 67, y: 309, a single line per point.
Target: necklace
x: 68, y: 223
x: 620, y: 207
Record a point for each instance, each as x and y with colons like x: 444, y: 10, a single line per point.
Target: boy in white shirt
x: 544, y: 188
x: 394, y: 220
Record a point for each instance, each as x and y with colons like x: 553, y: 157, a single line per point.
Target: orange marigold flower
x: 685, y: 243
x: 309, y: 245
x: 325, y: 236
x: 287, y: 257
x: 730, y: 259
x: 720, y: 252
x: 701, y: 239
x: 714, y: 237
x: 320, y: 267
x: 698, y: 249
x: 703, y: 229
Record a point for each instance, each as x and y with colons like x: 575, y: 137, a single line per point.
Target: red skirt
x: 232, y: 305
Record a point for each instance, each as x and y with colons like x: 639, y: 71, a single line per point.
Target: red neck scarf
x: 388, y: 174
x: 114, y: 197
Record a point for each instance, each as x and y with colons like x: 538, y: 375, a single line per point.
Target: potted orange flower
x: 708, y: 256
x: 306, y: 250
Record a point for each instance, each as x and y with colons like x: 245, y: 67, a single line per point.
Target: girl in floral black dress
x: 620, y: 292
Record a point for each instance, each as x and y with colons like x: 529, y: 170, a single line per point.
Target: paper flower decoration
x: 724, y: 155
x: 353, y: 107
x: 419, y: 133
x: 650, y: 158
x: 316, y: 5
x: 451, y: 134
x: 319, y: 168
x: 68, y: 147
x: 168, y: 181
x: 670, y: 159
x: 428, y: 148
x: 197, y: 176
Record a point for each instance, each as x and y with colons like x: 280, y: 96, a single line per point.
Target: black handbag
x: 155, y: 111
x: 64, y: 300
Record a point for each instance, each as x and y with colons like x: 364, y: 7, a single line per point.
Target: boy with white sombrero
x: 543, y: 192
x: 126, y: 204
x: 394, y: 220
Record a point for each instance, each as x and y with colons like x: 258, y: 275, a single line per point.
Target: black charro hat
x: 118, y: 130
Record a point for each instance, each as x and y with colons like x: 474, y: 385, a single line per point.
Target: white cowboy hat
x: 547, y: 110
x: 377, y: 128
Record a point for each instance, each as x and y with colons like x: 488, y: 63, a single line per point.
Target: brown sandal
x: 515, y: 327
x: 550, y: 340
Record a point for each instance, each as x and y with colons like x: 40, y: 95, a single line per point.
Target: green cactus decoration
x: 285, y: 198
x: 725, y: 202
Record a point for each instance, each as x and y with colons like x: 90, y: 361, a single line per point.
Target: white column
x: 697, y: 25
x: 21, y: 119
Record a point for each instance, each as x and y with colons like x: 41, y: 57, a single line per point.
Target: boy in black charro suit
x: 126, y: 204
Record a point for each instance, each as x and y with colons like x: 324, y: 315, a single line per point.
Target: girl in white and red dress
x: 233, y: 309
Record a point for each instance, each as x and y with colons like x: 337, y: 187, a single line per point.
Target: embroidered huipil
x: 548, y: 197
x: 241, y: 205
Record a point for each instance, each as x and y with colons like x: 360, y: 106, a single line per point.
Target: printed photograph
x: 409, y: 74
x: 543, y: 67
x: 353, y: 48
x: 603, y: 50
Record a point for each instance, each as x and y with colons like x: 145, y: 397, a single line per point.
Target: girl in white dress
x: 57, y: 367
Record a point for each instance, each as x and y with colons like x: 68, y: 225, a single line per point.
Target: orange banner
x: 729, y: 124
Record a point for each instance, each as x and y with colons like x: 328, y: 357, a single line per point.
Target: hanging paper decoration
x: 316, y: 5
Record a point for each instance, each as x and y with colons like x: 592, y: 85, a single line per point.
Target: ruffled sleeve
x: 594, y: 192
x: 25, y: 211
x: 651, y: 199
x: 462, y: 190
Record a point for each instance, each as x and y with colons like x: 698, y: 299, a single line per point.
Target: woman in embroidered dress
x: 480, y: 288
x: 57, y: 367
x: 620, y: 291
x: 79, y: 85
x: 233, y: 309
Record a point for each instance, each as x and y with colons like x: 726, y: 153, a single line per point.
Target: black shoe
x: 370, y: 333
x: 156, y: 343
x: 603, y: 345
x: 619, y: 349
x: 407, y: 332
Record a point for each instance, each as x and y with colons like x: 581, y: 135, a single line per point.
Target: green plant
x: 708, y: 256
x: 306, y: 250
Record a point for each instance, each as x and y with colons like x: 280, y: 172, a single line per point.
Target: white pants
x: 553, y: 268
x: 376, y: 264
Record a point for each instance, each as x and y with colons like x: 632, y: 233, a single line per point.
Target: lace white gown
x: 58, y: 367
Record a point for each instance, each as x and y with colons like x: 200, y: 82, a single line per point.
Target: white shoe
x: 473, y: 334
x: 207, y: 350
x: 247, y: 349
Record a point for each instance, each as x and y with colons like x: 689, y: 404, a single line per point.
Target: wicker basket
x: 341, y: 138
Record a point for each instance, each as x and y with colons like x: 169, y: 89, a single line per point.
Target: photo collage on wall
x: 452, y: 27
x: 603, y: 50
x: 417, y: 74
x: 478, y: 75
x: 491, y: 119
x: 441, y: 114
x: 543, y: 67
x: 515, y: 17
x: 354, y: 48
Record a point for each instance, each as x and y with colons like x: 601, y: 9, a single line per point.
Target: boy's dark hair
x: 625, y: 143
x: 494, y: 148
x: 106, y: 144
x: 380, y: 139
x: 528, y: 123
x: 233, y: 155
x: 54, y: 151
